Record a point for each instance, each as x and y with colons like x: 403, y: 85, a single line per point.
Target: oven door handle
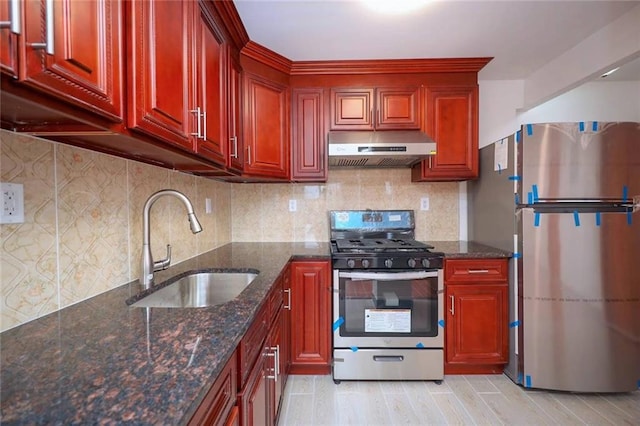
x: 388, y: 276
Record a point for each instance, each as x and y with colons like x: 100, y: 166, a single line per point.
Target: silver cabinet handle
x: 288, y: 305
x: 275, y: 356
x: 430, y: 164
x: 234, y: 139
x: 478, y: 271
x: 198, y: 132
x: 453, y: 306
x: 48, y: 44
x: 204, y: 124
x: 248, y: 154
x: 14, y: 24
x: 277, y: 352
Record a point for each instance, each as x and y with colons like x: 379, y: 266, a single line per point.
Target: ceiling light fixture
x: 394, y: 7
x: 608, y: 73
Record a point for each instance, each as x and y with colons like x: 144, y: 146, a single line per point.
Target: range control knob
x: 388, y: 263
x: 365, y: 263
x: 411, y: 263
x: 426, y: 263
x: 351, y: 263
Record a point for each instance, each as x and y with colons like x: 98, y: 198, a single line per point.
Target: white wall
x: 597, y: 101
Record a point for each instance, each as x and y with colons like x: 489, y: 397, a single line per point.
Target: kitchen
x: 87, y: 235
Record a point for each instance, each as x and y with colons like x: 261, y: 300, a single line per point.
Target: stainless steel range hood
x: 369, y: 149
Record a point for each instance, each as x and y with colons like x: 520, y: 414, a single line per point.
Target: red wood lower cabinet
x: 311, y: 317
x: 219, y: 405
x: 476, y: 333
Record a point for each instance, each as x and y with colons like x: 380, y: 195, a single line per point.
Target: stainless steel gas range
x: 387, y: 298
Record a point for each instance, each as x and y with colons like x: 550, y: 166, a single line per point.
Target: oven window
x: 389, y: 308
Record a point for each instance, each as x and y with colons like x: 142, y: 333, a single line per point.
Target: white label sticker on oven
x: 387, y: 320
x: 395, y: 218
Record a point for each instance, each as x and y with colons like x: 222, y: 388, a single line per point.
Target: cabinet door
x: 211, y: 96
x: 218, y: 405
x: 308, y: 144
x: 310, y: 317
x: 452, y: 121
x: 397, y: 108
x: 234, y: 123
x: 476, y: 324
x: 160, y: 86
x: 254, y: 396
x: 351, y: 109
x: 266, y: 124
x: 9, y: 38
x: 72, y: 50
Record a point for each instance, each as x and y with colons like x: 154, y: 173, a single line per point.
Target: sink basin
x: 198, y: 290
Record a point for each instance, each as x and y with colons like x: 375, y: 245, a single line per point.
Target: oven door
x: 399, y: 309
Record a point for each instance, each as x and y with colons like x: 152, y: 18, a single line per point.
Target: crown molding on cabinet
x: 268, y: 57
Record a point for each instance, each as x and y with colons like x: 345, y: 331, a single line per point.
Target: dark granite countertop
x: 468, y: 249
x: 103, y: 362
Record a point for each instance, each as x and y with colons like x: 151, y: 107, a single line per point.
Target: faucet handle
x: 164, y: 263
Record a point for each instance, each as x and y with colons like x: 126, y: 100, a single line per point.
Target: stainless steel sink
x: 198, y: 290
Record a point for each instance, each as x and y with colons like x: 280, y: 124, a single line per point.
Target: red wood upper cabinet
x: 160, y: 89
x: 211, y: 96
x: 452, y: 121
x: 308, y: 143
x: 68, y: 49
x: 266, y: 127
x: 234, y: 113
x: 383, y: 108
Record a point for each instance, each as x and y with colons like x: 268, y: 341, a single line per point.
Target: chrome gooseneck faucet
x: 148, y: 265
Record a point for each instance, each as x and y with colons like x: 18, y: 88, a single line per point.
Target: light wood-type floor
x: 459, y: 400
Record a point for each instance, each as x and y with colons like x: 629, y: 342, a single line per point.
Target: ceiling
x: 521, y: 36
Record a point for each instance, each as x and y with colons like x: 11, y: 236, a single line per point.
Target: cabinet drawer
x: 275, y: 300
x: 476, y: 270
x: 251, y: 343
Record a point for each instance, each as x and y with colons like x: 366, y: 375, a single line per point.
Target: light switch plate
x: 207, y: 206
x: 12, y: 202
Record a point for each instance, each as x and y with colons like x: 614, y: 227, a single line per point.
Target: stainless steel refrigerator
x: 564, y: 198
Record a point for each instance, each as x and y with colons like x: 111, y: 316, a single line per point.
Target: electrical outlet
x: 424, y: 203
x: 293, y: 205
x: 207, y: 206
x: 12, y: 202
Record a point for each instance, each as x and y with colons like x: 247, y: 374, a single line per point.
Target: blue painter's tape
x: 529, y: 129
x: 576, y: 218
x: 598, y: 218
x: 530, y: 197
x: 354, y: 348
x: 629, y: 218
x: 527, y: 381
x: 420, y: 345
x: 594, y: 126
x: 581, y: 126
x: 534, y: 189
x: 517, y: 255
x: 441, y: 323
x: 536, y: 219
x: 638, y: 384
x: 514, y: 324
x: 499, y: 168
x: 338, y: 323
x: 625, y: 193
x: 518, y: 136
x: 516, y: 199
x: 514, y: 177
x: 519, y: 378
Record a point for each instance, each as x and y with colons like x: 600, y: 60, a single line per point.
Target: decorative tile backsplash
x: 82, y: 233
x: 261, y: 211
